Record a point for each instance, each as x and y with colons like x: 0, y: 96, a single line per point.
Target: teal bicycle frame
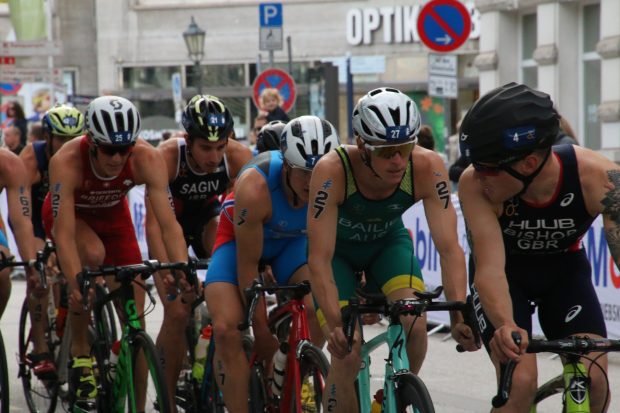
x: 396, y: 362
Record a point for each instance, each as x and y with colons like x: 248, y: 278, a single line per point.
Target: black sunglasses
x: 111, y: 150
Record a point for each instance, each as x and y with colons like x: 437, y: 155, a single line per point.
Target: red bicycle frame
x: 298, y: 336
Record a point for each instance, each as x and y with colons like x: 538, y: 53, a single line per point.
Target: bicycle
x: 42, y: 395
x: 573, y: 383
x: 4, y: 380
x: 306, y: 366
x: 115, y: 388
x: 403, y: 391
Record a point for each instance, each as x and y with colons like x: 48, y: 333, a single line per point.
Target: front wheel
x: 40, y: 395
x: 157, y: 394
x: 313, y: 368
x: 4, y: 379
x: 412, y: 395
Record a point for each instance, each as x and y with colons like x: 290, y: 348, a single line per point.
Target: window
x: 148, y: 77
x: 529, y: 69
x: 591, y: 76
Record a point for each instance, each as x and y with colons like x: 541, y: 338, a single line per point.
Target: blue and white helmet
x: 305, y: 139
x: 112, y: 120
x: 386, y: 116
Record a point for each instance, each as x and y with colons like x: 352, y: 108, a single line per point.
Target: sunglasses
x: 487, y: 170
x: 388, y: 151
x: 111, y: 150
x: 304, y: 171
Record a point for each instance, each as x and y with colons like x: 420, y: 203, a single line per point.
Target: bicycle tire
x: 412, y: 396
x: 157, y: 398
x: 258, y: 395
x: 313, y: 369
x: 108, y: 314
x: 40, y: 395
x: 4, y: 379
x: 550, y: 388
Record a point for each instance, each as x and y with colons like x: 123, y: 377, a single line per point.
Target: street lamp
x: 195, y: 41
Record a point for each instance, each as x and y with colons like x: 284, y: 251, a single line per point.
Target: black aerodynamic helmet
x: 205, y: 116
x: 268, y: 138
x: 507, y: 124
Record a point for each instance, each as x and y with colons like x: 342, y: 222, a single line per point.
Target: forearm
x: 454, y: 279
x: 68, y: 257
x: 325, y: 292
x: 24, y: 239
x: 495, y: 299
x: 174, y: 243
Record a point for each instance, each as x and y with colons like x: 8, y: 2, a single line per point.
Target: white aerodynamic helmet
x: 386, y: 116
x: 305, y: 139
x: 112, y: 120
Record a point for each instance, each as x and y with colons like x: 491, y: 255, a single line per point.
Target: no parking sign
x: 278, y: 79
x: 444, y: 25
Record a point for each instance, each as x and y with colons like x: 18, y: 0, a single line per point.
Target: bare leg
x: 231, y: 365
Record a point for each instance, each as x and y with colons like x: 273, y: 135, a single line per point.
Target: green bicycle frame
x: 397, y: 361
x: 124, y: 365
x: 576, y: 389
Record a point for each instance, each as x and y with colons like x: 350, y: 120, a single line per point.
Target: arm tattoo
x: 242, y: 216
x: 321, y: 197
x: 611, y: 208
x: 56, y: 200
x: 443, y: 193
x: 23, y: 200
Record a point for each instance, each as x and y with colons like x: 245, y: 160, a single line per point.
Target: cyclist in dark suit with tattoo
x: 527, y: 205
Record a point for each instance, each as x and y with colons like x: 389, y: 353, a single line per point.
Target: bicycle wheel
x: 4, y: 379
x: 259, y: 398
x: 550, y: 388
x: 313, y: 368
x: 40, y: 395
x: 157, y: 395
x: 108, y: 314
x: 412, y: 395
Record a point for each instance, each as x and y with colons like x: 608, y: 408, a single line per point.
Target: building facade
x: 567, y: 48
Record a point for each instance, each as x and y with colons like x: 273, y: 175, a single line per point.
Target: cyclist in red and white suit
x: 87, y: 214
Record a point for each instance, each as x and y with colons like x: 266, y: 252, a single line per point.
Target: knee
x: 228, y: 338
x: 416, y: 332
x: 524, y: 385
x: 92, y: 256
x: 599, y: 385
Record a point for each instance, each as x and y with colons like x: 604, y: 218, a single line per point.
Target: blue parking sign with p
x: 270, y: 14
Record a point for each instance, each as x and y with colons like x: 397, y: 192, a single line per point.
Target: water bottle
x: 114, y: 352
x: 279, y: 366
x: 377, y: 402
x: 200, y: 353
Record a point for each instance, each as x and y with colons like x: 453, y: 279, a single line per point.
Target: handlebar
x: 378, y: 304
x: 575, y: 346
x: 126, y: 273
x: 257, y: 289
x: 38, y: 263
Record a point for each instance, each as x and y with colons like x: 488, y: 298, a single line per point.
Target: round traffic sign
x: 444, y: 25
x: 278, y: 79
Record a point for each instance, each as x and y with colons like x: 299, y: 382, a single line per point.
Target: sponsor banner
x: 605, y: 275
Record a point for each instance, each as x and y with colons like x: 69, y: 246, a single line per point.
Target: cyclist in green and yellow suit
x: 357, y: 197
